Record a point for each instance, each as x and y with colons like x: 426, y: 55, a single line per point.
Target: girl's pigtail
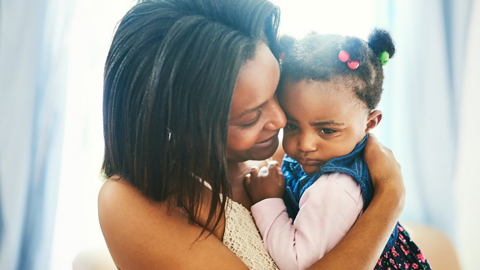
x: 381, y: 43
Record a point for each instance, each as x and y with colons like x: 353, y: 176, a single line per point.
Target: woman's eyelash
x: 250, y: 124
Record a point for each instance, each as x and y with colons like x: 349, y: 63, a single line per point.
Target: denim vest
x: 353, y: 164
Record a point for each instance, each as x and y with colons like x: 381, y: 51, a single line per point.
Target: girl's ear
x: 373, y: 120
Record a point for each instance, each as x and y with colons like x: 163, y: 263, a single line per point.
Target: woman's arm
x: 364, y: 243
x: 141, y: 235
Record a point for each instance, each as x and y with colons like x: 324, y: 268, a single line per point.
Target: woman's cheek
x: 242, y: 139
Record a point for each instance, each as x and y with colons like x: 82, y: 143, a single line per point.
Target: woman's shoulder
x: 118, y: 197
x: 144, y: 234
x: 126, y: 216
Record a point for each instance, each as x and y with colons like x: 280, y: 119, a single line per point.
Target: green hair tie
x: 384, y: 56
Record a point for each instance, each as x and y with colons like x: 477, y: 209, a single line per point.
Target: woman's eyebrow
x: 249, y: 111
x: 327, y: 123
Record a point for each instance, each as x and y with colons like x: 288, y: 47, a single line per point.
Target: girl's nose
x: 306, y: 143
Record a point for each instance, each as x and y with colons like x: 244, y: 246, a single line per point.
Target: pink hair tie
x: 345, y: 57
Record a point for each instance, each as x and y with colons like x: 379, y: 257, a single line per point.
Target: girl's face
x: 324, y: 120
x: 255, y: 116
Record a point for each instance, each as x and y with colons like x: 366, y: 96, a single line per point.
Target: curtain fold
x: 467, y: 176
x: 33, y: 58
x: 419, y: 123
x: 431, y: 105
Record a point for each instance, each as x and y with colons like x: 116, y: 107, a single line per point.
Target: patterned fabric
x: 403, y: 255
x: 242, y: 238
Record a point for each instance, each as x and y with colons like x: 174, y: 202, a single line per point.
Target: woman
x: 189, y: 98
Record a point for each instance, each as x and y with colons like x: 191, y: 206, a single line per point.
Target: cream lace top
x: 242, y: 237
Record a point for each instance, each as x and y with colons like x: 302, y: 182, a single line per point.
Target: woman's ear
x: 373, y: 120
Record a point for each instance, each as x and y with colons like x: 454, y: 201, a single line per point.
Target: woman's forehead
x: 257, y: 81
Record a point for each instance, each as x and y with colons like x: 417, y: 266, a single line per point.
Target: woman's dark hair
x: 316, y: 58
x: 169, y: 80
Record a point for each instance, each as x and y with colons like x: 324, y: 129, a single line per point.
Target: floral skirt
x: 403, y: 255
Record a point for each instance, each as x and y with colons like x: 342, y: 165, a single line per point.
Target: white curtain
x: 419, y: 109
x: 468, y: 176
x: 76, y: 226
x: 33, y: 63
x: 431, y: 105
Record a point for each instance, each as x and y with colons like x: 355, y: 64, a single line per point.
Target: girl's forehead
x: 319, y: 99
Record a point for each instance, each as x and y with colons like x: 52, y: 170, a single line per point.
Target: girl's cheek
x: 288, y: 145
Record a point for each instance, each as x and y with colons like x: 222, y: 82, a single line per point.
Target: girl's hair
x: 169, y: 81
x: 316, y: 57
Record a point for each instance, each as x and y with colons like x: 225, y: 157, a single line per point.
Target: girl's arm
x: 328, y: 209
x: 141, y: 235
x: 364, y: 243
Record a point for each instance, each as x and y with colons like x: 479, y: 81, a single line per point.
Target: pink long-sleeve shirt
x: 328, y: 209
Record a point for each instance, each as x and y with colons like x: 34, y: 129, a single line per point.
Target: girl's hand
x: 268, y: 182
x: 384, y: 169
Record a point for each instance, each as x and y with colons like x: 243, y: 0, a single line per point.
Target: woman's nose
x: 277, y: 119
x: 306, y: 143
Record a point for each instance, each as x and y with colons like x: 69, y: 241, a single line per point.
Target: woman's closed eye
x: 251, y: 123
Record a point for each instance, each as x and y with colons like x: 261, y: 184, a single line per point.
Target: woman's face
x: 255, y: 116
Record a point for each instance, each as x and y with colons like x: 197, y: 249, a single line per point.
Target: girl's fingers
x: 248, y: 179
x: 272, y: 163
x: 254, y: 171
x: 263, y: 171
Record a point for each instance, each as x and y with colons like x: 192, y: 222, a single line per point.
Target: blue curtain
x: 421, y: 100
x: 33, y: 68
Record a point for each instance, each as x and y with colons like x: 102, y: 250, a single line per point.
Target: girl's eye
x: 327, y: 131
x: 291, y: 127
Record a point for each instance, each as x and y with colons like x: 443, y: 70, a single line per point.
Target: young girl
x: 329, y: 90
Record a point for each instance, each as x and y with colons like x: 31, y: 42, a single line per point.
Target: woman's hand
x: 268, y: 182
x: 384, y: 169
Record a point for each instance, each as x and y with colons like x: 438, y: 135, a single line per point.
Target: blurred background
x: 52, y: 54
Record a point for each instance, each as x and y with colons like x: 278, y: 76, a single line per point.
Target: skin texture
x: 142, y: 234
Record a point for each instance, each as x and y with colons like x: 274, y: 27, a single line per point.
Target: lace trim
x: 241, y: 236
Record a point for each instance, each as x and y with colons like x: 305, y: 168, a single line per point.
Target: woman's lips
x: 309, y: 162
x: 267, y: 142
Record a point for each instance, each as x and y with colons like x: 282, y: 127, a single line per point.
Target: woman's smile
x: 268, y: 142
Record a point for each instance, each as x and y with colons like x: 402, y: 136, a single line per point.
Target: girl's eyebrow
x: 249, y: 111
x: 327, y: 123
x: 289, y: 118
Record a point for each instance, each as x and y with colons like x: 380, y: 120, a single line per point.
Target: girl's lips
x: 309, y: 162
x: 267, y: 142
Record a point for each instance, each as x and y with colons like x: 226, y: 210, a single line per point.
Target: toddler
x: 329, y: 89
